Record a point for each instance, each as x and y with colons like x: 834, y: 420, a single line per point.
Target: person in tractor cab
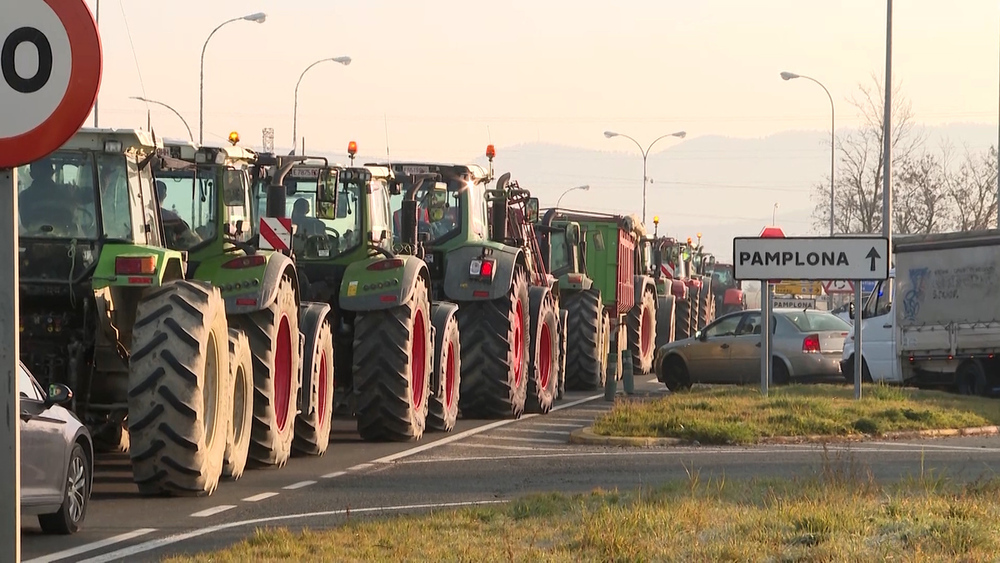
x: 45, y: 201
x: 306, y: 226
x: 176, y: 230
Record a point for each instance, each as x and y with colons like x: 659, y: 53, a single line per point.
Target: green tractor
x: 591, y: 256
x: 107, y: 310
x: 281, y: 345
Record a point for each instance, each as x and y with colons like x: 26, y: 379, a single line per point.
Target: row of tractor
x: 213, y: 307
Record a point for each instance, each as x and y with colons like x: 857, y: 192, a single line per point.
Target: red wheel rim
x: 449, y: 377
x: 322, y: 390
x: 647, y: 331
x: 518, y: 342
x: 283, y: 373
x: 419, y: 357
x: 545, y: 355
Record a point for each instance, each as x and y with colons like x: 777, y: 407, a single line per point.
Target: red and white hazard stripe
x: 667, y: 270
x: 275, y: 233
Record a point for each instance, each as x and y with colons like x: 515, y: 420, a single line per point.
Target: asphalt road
x: 480, y: 462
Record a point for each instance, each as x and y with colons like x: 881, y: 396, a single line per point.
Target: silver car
x: 57, y: 457
x: 806, y: 343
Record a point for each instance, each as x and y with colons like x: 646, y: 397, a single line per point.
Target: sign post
x: 858, y: 358
x: 767, y: 307
x: 772, y: 256
x: 50, y: 72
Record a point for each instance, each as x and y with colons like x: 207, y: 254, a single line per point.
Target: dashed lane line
x: 499, y: 447
x: 334, y: 475
x: 557, y: 425
x: 93, y: 546
x: 299, y: 485
x: 260, y: 497
x: 213, y: 511
x: 517, y: 439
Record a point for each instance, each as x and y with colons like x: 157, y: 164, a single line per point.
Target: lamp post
x: 833, y: 147
x: 179, y: 116
x: 774, y: 213
x: 645, y: 155
x: 584, y: 188
x: 258, y: 17
x: 295, y: 110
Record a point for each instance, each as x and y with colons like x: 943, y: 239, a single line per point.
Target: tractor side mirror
x: 850, y: 310
x: 573, y: 234
x: 531, y: 209
x: 326, y: 195
x: 437, y: 201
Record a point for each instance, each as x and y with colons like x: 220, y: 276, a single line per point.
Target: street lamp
x: 833, y: 148
x: 774, y: 212
x: 258, y: 17
x: 295, y: 111
x: 179, y: 116
x: 584, y: 188
x: 645, y: 154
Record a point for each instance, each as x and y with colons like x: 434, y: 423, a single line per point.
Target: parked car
x: 57, y: 457
x: 806, y: 342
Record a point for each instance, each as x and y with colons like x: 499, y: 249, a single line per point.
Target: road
x: 480, y: 462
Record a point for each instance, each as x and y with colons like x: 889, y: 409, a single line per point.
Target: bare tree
x: 858, y: 193
x: 972, y: 191
x: 920, y: 194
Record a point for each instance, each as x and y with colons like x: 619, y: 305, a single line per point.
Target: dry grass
x: 740, y: 415
x: 841, y: 515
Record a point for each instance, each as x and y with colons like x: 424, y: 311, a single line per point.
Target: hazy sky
x: 443, y: 71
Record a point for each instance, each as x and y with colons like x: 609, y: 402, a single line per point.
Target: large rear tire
x: 495, y: 353
x: 241, y: 368
x: 665, y: 324
x: 585, y: 355
x: 393, y: 358
x: 543, y: 380
x: 179, y: 398
x: 443, y: 413
x: 312, y: 429
x: 274, y: 342
x: 563, y: 335
x: 706, y: 306
x: 640, y: 325
x: 682, y: 314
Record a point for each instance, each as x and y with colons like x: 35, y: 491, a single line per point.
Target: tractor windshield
x: 723, y: 277
x: 445, y: 227
x: 57, y: 197
x: 187, y: 206
x: 322, y: 237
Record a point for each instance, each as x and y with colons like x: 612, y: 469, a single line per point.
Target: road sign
x: 811, y: 258
x: 276, y: 233
x: 798, y: 288
x: 834, y: 287
x: 868, y: 286
x: 794, y: 303
x: 771, y: 231
x: 50, y: 72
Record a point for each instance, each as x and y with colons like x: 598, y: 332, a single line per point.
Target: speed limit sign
x: 50, y: 72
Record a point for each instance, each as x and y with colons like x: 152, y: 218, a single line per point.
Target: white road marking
x: 654, y: 380
x: 474, y: 431
x: 213, y: 511
x: 533, y: 431
x: 583, y: 420
x: 556, y: 424
x: 127, y: 552
x: 361, y: 466
x: 334, y: 474
x: 260, y: 497
x: 499, y: 447
x: 516, y: 439
x: 935, y: 446
x: 91, y: 546
x: 299, y: 485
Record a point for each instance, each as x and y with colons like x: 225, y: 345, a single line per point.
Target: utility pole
x: 887, y: 134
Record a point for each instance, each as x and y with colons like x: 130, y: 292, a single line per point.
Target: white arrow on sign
x: 811, y: 258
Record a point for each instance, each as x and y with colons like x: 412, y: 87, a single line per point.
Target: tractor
x: 595, y: 283
x: 727, y: 289
x: 107, y: 309
x: 701, y: 263
x: 281, y: 345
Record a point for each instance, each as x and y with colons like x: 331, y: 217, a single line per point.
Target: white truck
x: 944, y: 329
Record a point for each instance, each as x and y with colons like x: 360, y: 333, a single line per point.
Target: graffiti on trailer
x: 915, y: 295
x: 949, y: 284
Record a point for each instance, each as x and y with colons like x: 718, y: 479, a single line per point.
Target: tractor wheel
x: 641, y: 330
x: 274, y: 341
x: 312, y: 429
x: 443, y: 411
x: 706, y: 308
x: 585, y: 352
x: 393, y: 359
x: 665, y: 324
x: 682, y: 315
x: 543, y: 371
x: 495, y: 353
x: 241, y: 369
x: 179, y: 398
x: 563, y: 334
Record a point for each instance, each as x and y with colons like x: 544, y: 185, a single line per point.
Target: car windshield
x: 343, y: 233
x: 817, y: 321
x: 187, y: 206
x: 56, y: 197
x: 449, y: 223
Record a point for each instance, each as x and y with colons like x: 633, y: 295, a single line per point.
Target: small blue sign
x: 868, y: 286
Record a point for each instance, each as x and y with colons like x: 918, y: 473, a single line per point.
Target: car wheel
x: 779, y: 373
x: 675, y: 374
x: 74, y: 507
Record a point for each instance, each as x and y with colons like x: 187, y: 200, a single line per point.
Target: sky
x: 439, y: 79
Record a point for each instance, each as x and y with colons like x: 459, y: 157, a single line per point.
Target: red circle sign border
x: 81, y: 92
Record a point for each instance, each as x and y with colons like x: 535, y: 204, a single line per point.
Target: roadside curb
x: 586, y: 436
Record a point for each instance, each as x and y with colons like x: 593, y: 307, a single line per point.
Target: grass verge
x: 841, y: 515
x: 740, y: 415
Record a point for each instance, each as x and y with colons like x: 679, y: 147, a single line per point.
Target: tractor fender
x: 311, y: 317
x: 170, y: 265
x: 693, y: 282
x: 441, y: 313
x: 261, y: 296
x: 642, y: 285
x: 733, y: 296
x: 537, y: 294
x: 459, y: 286
x: 678, y: 289
x: 575, y: 282
x: 368, y: 288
